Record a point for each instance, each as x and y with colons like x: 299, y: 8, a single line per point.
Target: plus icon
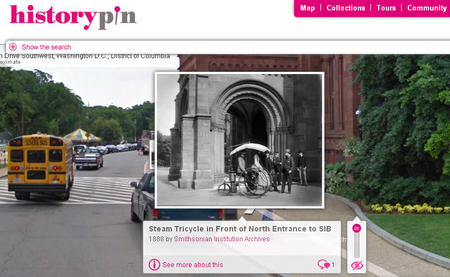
x: 12, y: 46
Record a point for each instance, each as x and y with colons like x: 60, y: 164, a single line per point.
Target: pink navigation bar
x: 372, y: 8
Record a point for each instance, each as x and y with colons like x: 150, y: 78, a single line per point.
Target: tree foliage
x: 30, y: 102
x: 405, y: 152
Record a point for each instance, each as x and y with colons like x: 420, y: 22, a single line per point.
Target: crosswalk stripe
x: 111, y: 190
x: 86, y: 190
x: 119, y: 184
x: 8, y: 198
x: 106, y: 197
x: 76, y: 186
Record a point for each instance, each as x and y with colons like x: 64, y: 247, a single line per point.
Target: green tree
x: 108, y: 129
x: 30, y: 101
x: 404, y: 155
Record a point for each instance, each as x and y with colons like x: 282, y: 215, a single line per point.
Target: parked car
x: 122, y: 147
x: 143, y: 206
x: 112, y: 148
x: 78, y: 148
x: 102, y: 149
x: 89, y: 157
x: 132, y: 146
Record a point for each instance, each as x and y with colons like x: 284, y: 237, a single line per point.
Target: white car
x: 122, y: 147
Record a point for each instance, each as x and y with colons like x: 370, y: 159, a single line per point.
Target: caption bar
x: 242, y: 247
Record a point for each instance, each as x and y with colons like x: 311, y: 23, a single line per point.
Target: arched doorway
x: 248, y: 111
x: 248, y: 123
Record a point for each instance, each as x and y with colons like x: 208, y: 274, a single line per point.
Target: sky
x: 120, y: 86
x: 166, y: 89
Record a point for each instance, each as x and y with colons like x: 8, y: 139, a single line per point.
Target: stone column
x: 175, y: 157
x: 202, y: 153
x: 271, y: 140
x: 187, y: 152
x: 218, y: 153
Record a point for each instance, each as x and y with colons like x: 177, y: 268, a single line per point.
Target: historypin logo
x: 51, y: 16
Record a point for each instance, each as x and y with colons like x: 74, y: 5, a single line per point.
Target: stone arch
x: 258, y: 91
x: 273, y: 106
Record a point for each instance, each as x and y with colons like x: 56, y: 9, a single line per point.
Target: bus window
x: 55, y: 155
x: 16, y: 156
x: 36, y: 156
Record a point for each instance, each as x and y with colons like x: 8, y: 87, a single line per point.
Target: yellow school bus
x: 40, y: 163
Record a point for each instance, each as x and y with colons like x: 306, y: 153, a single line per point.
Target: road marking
x: 104, y: 189
x: 100, y: 192
x: 93, y: 187
x: 86, y: 190
x: 371, y: 267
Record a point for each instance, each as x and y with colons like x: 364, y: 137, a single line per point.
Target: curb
x: 403, y: 245
x: 146, y: 167
x: 3, y: 172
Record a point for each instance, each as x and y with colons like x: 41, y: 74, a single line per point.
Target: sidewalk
x: 169, y: 194
x: 3, y: 172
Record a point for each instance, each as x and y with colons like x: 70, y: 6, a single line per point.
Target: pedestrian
x: 301, y: 167
x: 270, y: 168
x: 278, y: 168
x: 242, y: 171
x: 241, y: 163
x: 257, y: 162
x: 288, y: 166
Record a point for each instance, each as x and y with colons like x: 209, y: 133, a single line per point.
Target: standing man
x: 288, y: 166
x: 278, y: 167
x: 270, y: 168
x: 301, y: 167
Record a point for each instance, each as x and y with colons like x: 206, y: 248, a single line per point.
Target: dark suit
x: 278, y: 167
x: 301, y: 165
x: 287, y: 168
x: 269, y: 166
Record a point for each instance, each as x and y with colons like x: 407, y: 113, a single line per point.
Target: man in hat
x: 270, y: 168
x: 301, y: 167
x: 288, y: 166
x: 278, y: 168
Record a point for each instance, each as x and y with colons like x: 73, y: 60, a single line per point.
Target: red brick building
x: 341, y: 94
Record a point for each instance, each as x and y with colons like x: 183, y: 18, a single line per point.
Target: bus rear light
x: 155, y: 213
x: 15, y: 167
x: 56, y: 168
x: 15, y: 142
x: 55, y: 141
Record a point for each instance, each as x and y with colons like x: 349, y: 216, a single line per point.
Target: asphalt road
x: 122, y: 164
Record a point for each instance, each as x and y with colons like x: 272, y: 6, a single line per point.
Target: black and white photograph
x: 239, y: 140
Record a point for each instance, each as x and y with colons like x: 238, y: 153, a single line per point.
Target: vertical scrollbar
x: 356, y: 246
